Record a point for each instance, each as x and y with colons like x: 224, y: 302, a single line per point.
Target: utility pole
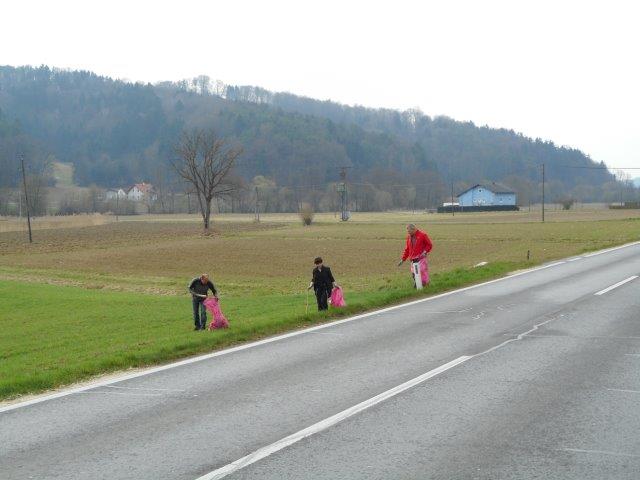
x: 257, y: 214
x: 620, y: 181
x: 26, y: 197
x: 543, y: 193
x: 453, y: 212
x: 342, y: 188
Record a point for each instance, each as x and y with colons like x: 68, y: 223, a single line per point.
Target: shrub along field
x: 84, y: 300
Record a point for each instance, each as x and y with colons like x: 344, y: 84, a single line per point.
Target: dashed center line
x: 326, y: 423
x: 616, y: 285
x: 622, y: 390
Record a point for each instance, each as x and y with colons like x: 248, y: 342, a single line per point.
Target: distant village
x: 139, y: 192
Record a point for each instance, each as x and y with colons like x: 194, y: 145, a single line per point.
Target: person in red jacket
x: 418, y: 245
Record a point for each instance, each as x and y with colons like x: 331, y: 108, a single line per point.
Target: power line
x: 598, y: 168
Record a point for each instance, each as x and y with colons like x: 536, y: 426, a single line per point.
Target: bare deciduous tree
x: 204, y: 161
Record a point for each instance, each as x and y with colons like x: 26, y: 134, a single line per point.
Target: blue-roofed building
x: 487, y: 195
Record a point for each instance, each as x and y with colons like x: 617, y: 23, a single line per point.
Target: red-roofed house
x: 141, y: 191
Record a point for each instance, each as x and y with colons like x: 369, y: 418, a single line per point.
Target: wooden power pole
x: 26, y: 196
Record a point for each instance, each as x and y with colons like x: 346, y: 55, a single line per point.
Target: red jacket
x: 422, y: 244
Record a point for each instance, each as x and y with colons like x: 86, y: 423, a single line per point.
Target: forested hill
x: 461, y: 150
x: 116, y: 132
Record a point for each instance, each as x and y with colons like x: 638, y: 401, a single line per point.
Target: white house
x: 114, y: 193
x: 141, y: 191
x: 488, y: 195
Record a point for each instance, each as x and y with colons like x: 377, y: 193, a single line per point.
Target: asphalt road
x: 533, y: 376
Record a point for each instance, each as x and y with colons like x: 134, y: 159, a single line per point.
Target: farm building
x: 113, y: 193
x: 482, y: 198
x: 487, y: 195
x: 141, y: 191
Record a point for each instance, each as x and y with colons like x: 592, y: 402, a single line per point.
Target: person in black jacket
x: 322, y: 282
x: 199, y: 288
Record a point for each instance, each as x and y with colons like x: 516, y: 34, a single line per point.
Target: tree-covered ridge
x: 100, y: 125
x: 116, y: 133
x: 461, y: 150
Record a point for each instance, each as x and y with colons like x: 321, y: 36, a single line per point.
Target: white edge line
x: 327, y: 422
x: 146, y: 389
x: 324, y: 424
x: 258, y: 343
x: 616, y: 285
x: 218, y: 353
x: 607, y: 250
x: 128, y: 394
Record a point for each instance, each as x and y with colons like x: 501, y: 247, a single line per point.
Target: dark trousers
x: 199, y: 313
x: 322, y: 297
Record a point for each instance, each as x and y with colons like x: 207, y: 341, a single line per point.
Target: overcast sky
x: 566, y: 71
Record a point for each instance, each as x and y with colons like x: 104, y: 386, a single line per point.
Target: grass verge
x: 57, y: 335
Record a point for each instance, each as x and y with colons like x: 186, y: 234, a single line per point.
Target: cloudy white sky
x: 562, y: 70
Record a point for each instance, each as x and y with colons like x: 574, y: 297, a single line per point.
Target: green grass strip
x: 57, y: 335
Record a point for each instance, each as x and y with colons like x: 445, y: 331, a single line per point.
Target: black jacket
x: 196, y: 287
x: 322, y: 278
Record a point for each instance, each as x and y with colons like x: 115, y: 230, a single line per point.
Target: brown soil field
x: 160, y: 254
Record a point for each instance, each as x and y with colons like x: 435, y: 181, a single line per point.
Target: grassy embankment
x: 84, y: 301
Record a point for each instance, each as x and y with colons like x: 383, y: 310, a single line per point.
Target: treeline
x: 461, y: 151
x: 263, y: 195
x: 117, y: 133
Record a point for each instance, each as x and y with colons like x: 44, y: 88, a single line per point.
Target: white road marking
x: 616, y: 285
x: 586, y: 337
x: 546, y: 266
x: 326, y: 423
x: 520, y: 336
x: 128, y: 394
x: 599, y: 452
x: 152, y: 370
x: 612, y: 249
x: 574, y: 259
x: 622, y: 390
x: 447, y: 311
x: 145, y: 389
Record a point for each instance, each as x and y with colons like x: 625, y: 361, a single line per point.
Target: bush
x: 567, y: 203
x: 306, y: 214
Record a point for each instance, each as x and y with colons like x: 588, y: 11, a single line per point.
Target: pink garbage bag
x: 424, y: 271
x: 337, y: 299
x: 219, y: 320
